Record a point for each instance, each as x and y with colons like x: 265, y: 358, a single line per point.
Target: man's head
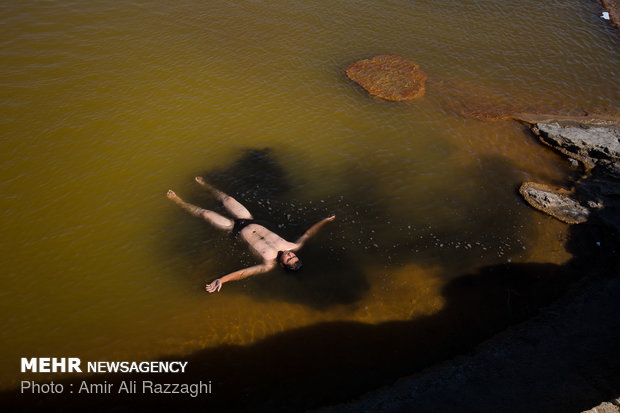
x: 289, y: 260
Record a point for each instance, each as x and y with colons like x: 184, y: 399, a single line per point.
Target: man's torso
x: 264, y: 242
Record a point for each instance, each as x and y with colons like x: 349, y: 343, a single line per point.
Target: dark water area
x: 365, y: 234
x: 333, y: 362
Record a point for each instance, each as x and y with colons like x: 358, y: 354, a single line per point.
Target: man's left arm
x: 312, y: 231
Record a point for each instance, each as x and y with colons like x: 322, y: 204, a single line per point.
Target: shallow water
x: 105, y: 107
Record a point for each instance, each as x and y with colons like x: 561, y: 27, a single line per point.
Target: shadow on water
x: 367, y: 233
x: 258, y: 181
x: 254, y: 176
x: 335, y: 361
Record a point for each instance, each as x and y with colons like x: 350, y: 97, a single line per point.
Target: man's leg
x: 231, y: 204
x: 214, y: 218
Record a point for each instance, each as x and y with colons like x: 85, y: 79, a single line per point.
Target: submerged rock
x: 390, y: 77
x: 472, y: 99
x: 556, y: 202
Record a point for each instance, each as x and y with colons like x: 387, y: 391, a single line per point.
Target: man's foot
x: 171, y: 195
x: 206, y: 185
x: 202, y: 182
x: 216, y: 193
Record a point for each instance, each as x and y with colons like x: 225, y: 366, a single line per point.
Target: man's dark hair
x: 294, y: 267
x: 289, y: 267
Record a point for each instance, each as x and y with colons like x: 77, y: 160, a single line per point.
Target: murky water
x: 106, y: 106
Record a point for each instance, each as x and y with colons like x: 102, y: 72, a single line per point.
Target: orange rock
x: 390, y: 77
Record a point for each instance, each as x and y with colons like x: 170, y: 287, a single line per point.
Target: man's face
x: 289, y: 259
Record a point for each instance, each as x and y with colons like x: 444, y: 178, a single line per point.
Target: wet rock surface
x: 596, y: 145
x: 389, y: 77
x: 557, y: 202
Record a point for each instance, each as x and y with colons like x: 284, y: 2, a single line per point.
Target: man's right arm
x: 239, y: 275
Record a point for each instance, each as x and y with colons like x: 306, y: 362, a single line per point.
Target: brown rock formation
x: 390, y: 77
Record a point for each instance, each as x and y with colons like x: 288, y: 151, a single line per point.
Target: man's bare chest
x: 263, y: 240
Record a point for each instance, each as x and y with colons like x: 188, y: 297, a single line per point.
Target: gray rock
x: 591, y: 144
x: 606, y: 407
x: 556, y: 202
x: 596, y: 144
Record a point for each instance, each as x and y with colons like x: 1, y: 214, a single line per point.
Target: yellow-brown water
x: 105, y: 106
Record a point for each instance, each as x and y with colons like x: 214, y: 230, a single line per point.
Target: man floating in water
x: 272, y: 248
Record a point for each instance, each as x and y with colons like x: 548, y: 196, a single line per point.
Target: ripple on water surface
x: 107, y: 106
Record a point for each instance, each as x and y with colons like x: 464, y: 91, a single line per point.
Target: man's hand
x: 214, y: 286
x: 331, y: 217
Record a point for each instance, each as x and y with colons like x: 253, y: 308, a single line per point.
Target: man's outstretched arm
x: 238, y: 275
x: 312, y: 231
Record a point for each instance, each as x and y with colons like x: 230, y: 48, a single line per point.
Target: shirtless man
x: 272, y: 248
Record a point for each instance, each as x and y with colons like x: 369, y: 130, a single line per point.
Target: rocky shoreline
x: 563, y: 360
x: 595, y: 146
